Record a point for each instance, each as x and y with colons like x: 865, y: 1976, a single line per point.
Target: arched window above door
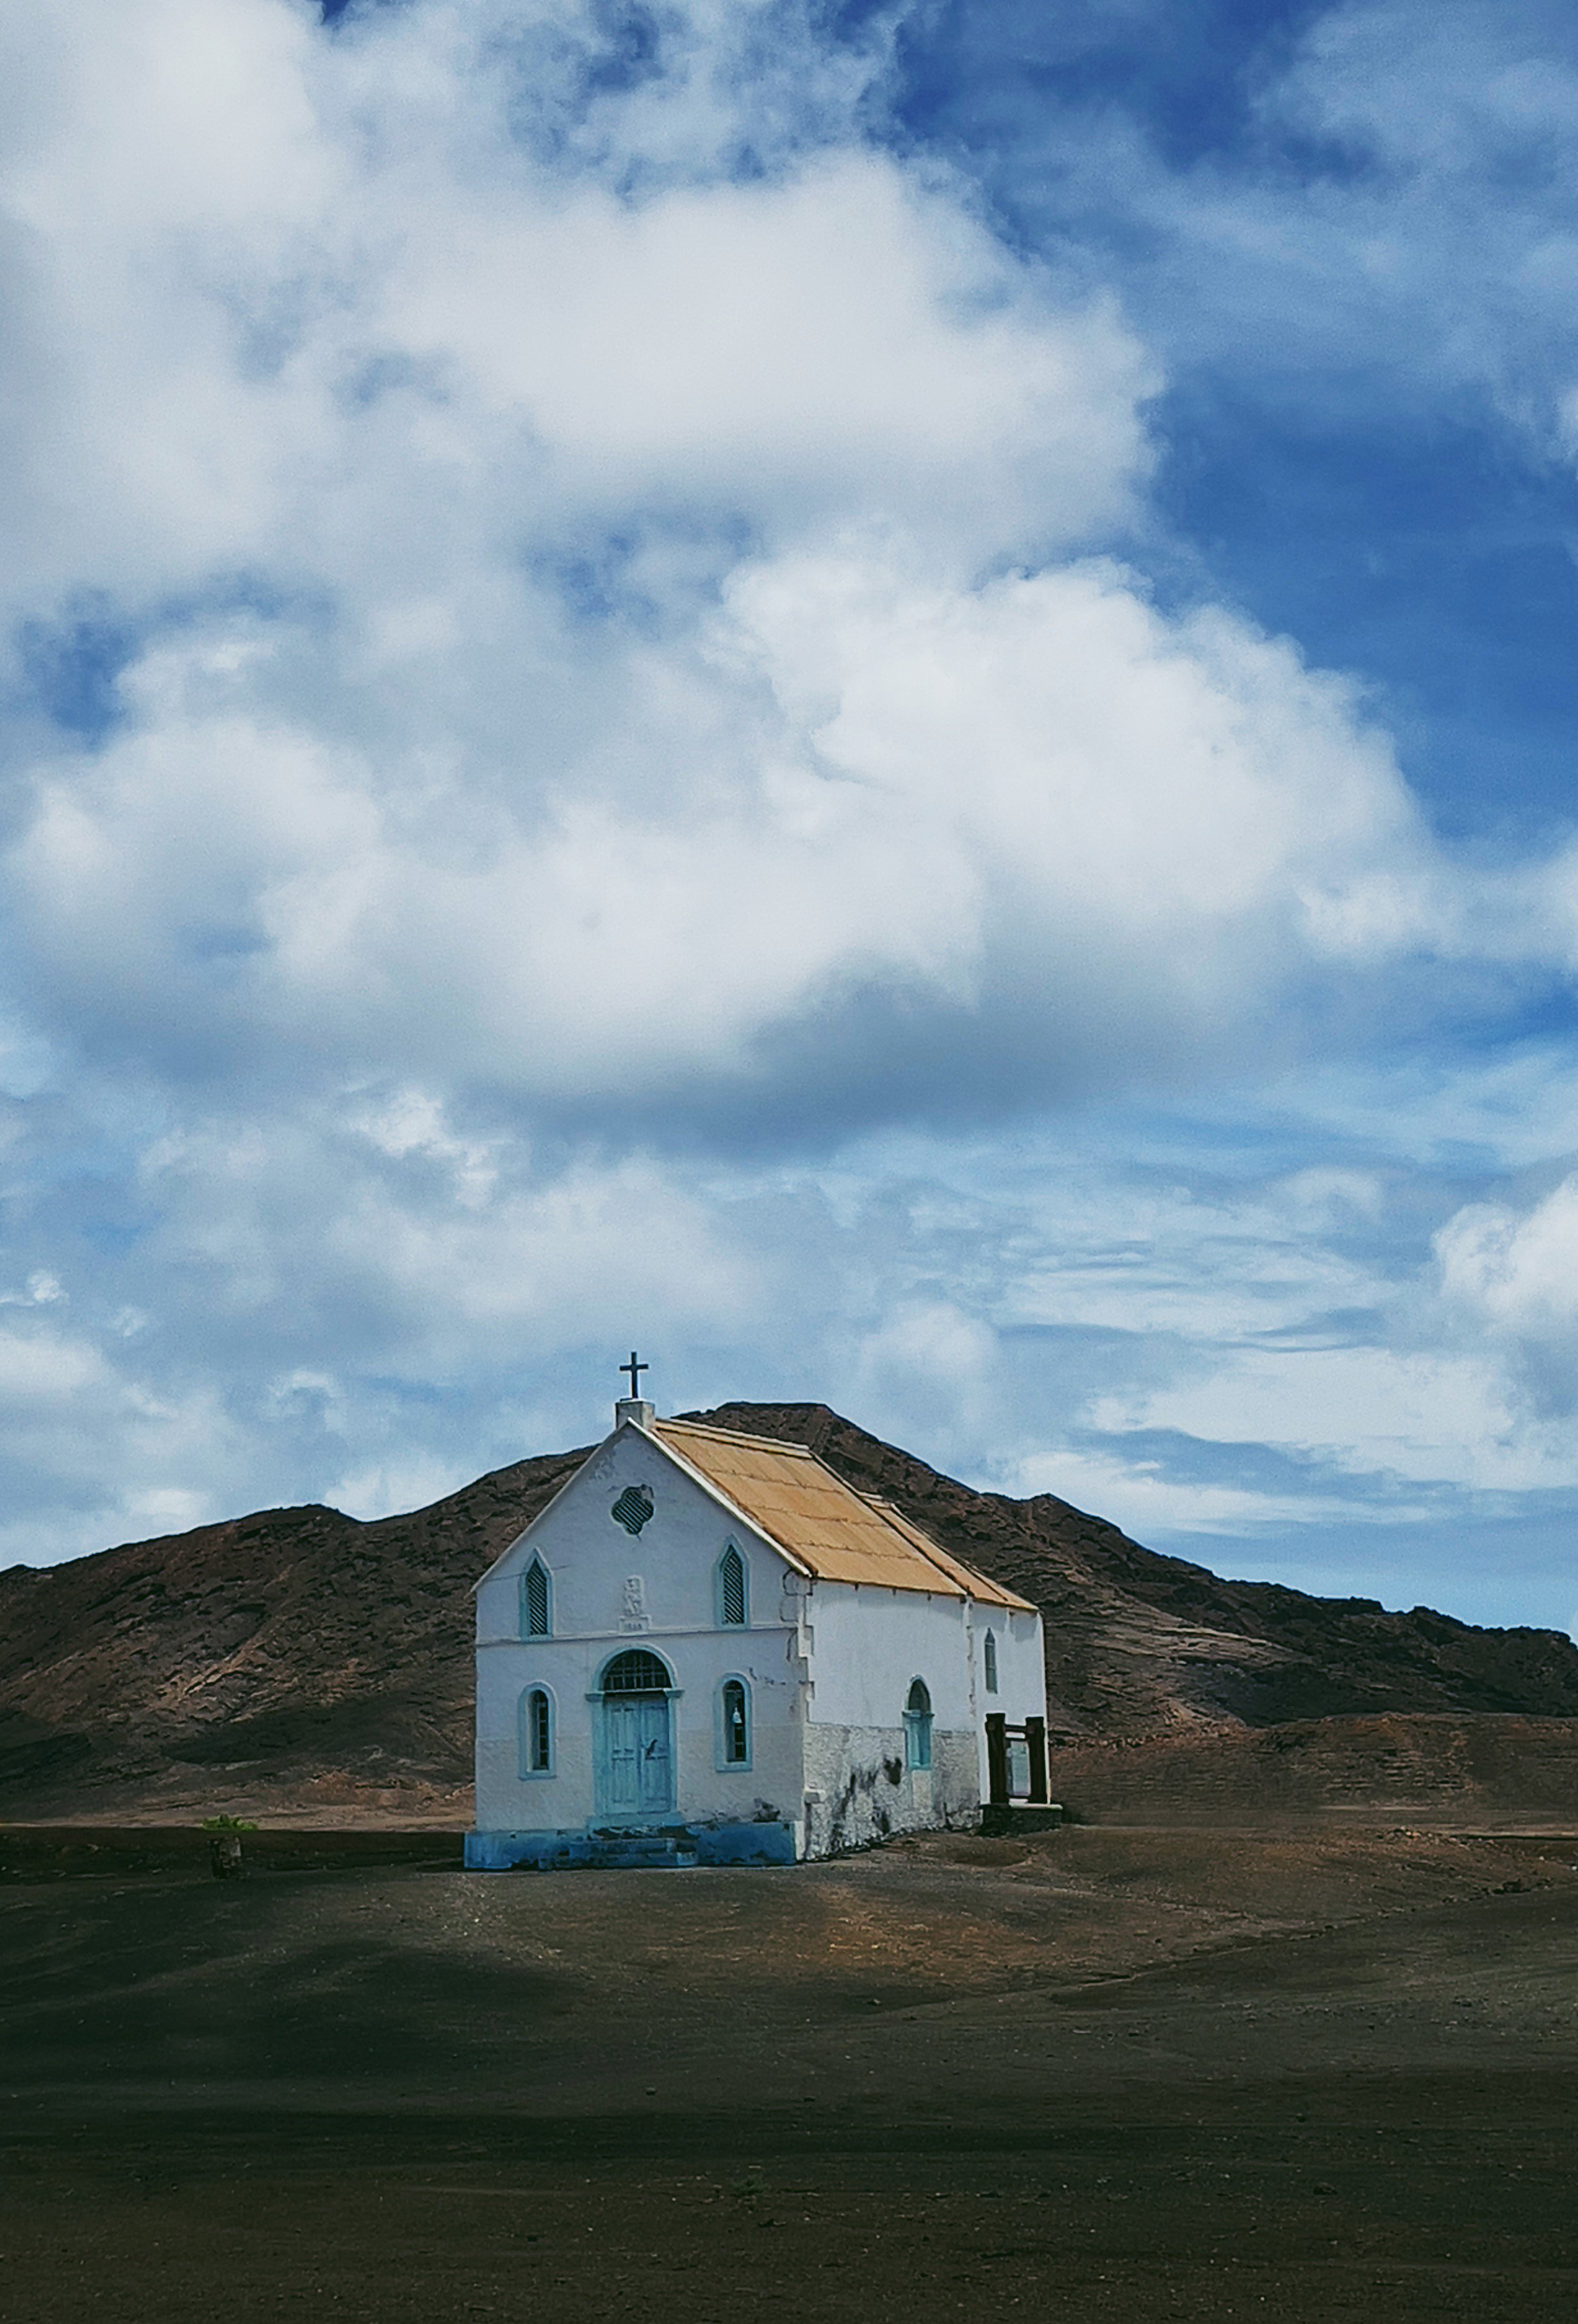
x: 989, y: 1661
x: 636, y: 1672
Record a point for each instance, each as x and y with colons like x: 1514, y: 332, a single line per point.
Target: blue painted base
x: 744, y: 1843
x: 674, y: 1847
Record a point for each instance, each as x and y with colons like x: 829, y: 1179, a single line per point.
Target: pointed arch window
x: 733, y: 1724
x: 732, y: 1592
x: 989, y: 1661
x: 536, y: 1601
x: 537, y: 1735
x: 917, y: 1726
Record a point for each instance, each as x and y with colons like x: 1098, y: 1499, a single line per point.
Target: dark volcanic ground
x: 1247, y: 2063
x: 1310, y: 2076
x: 298, y: 1661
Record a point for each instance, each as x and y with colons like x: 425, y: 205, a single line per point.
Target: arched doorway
x: 635, y: 1756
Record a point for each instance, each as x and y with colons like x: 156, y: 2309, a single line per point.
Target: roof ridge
x: 736, y: 1437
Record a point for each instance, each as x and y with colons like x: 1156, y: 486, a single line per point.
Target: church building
x: 708, y: 1647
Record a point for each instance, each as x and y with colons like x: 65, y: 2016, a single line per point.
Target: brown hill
x: 299, y: 1659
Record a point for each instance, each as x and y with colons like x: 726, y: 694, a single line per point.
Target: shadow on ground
x: 1308, y: 2074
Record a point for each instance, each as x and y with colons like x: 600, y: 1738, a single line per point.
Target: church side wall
x: 1022, y: 1671
x: 867, y: 1645
x: 858, y: 1788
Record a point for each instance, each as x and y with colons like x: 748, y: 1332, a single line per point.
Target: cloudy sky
x: 881, y: 696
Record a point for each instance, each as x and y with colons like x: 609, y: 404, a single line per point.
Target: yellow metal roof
x: 822, y: 1524
x: 977, y: 1585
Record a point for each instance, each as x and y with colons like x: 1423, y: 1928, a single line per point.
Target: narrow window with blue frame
x: 732, y: 1611
x: 537, y: 1732
x: 733, y: 1724
x: 917, y: 1726
x: 536, y: 1601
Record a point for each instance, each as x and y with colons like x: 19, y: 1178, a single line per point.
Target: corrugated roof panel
x: 978, y: 1585
x: 837, y: 1534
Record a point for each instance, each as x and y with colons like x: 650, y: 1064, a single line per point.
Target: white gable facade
x: 661, y: 1676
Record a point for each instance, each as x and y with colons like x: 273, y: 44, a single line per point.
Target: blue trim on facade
x: 563, y: 1852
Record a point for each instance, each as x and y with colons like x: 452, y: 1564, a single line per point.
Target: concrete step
x: 999, y: 1818
x: 655, y: 1851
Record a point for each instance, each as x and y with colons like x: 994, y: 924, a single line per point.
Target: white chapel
x: 709, y: 1648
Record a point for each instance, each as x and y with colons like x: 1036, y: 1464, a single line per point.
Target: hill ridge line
x: 300, y: 1653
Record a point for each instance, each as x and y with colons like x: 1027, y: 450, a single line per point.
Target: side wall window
x: 536, y: 1601
x: 537, y: 1735
x: 733, y: 1724
x: 733, y: 1610
x: 989, y: 1661
x: 917, y: 1726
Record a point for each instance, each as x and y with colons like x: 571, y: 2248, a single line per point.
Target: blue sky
x: 883, y: 697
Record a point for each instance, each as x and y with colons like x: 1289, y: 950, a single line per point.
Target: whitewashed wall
x: 866, y: 1646
x: 869, y: 1644
x: 589, y: 1558
x: 829, y: 1668
x: 1021, y: 1672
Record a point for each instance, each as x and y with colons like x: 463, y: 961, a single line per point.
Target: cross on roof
x: 635, y: 1369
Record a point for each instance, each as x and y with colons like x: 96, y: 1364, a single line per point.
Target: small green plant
x: 229, y: 1824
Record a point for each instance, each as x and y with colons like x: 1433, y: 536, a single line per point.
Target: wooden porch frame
x: 1033, y: 1733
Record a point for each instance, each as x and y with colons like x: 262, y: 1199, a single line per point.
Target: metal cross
x: 633, y: 1368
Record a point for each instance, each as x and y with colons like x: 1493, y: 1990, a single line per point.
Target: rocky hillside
x: 297, y: 1657
x: 1387, y: 1767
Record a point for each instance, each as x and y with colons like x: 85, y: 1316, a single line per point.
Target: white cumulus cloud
x: 571, y: 617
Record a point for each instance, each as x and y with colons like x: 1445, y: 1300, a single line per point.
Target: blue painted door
x: 657, y: 1779
x: 640, y: 1764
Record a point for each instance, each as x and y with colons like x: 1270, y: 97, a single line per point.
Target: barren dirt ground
x: 1312, y: 2074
